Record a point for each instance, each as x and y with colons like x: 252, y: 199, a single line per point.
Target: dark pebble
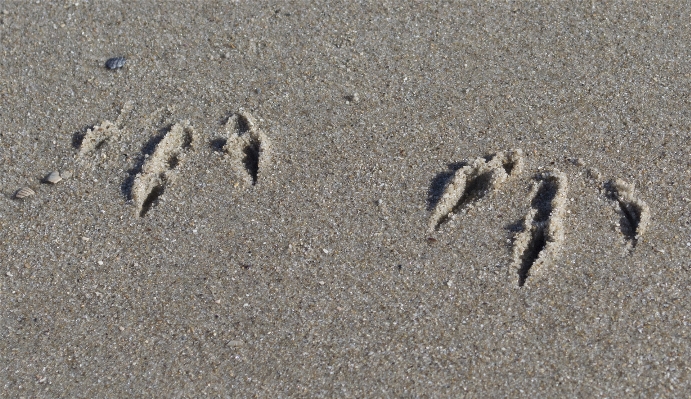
x: 115, y: 62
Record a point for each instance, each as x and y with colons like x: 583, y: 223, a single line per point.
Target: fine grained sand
x: 322, y: 279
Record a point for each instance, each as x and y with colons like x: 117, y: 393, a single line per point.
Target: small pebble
x: 53, y: 177
x: 66, y: 174
x: 24, y: 192
x: 352, y: 98
x: 115, y: 62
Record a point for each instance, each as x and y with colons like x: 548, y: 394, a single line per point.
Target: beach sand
x: 307, y: 267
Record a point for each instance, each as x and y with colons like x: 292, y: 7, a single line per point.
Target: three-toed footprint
x: 538, y: 242
x: 246, y: 145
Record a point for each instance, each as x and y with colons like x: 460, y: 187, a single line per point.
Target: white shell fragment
x: 53, y: 177
x: 24, y: 192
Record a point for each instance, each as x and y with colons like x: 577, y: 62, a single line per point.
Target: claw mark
x: 474, y: 181
x: 156, y: 174
x: 247, y: 146
x: 635, y: 214
x: 95, y: 138
x: 538, y: 244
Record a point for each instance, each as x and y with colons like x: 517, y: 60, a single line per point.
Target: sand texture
x: 327, y: 199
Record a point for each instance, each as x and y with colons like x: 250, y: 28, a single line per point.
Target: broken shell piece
x: 24, y: 192
x: 66, y: 174
x: 53, y: 177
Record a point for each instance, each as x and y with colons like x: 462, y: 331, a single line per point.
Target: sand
x: 312, y: 271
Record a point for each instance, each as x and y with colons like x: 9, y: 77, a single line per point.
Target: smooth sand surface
x: 322, y: 279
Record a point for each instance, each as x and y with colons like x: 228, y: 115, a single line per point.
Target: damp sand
x: 307, y: 267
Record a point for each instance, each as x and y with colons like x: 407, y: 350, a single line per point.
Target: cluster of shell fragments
x: 52, y: 178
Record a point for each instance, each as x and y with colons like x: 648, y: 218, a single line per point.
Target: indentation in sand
x: 472, y: 182
x: 538, y: 245
x: 247, y: 146
x: 635, y: 213
x: 156, y: 172
x: 96, y: 137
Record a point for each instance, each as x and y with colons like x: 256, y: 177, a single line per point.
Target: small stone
x: 235, y: 343
x: 53, y: 177
x: 24, y: 192
x: 352, y: 98
x: 66, y: 174
x: 115, y: 62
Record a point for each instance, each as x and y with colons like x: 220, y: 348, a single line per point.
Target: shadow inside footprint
x: 439, y: 183
x: 475, y: 190
x: 539, y: 239
x: 515, y: 227
x: 151, y: 200
x: 537, y: 243
x: 542, y: 204
x: 634, y: 212
x: 78, y: 136
x: 217, y: 144
x: 251, y: 160
x: 148, y: 149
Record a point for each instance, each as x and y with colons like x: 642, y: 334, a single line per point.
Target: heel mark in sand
x: 156, y: 173
x: 538, y: 244
x: 247, y: 146
x: 472, y: 182
x: 635, y: 213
